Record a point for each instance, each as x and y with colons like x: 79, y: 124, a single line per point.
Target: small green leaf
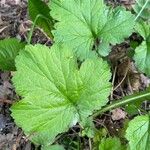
x: 111, y: 144
x: 84, y: 25
x: 89, y: 129
x: 131, y: 109
x: 138, y: 133
x: 38, y: 7
x: 104, y: 49
x: 142, y: 52
x: 142, y: 57
x: 56, y: 92
x: 9, y: 49
x: 143, y: 29
x: 52, y: 147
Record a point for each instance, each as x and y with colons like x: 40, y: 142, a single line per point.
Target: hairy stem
x: 126, y: 100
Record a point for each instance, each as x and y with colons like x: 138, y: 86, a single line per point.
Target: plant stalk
x: 124, y: 101
x: 33, y: 26
x: 141, y: 10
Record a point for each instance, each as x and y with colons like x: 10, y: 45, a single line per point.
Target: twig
x: 121, y: 81
x: 113, y: 81
x: 90, y: 144
x: 17, y: 141
x: 130, y: 87
x: 125, y: 75
x: 1, y: 30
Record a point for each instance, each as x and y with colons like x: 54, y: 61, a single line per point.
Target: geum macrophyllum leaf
x: 56, y: 92
x: 9, y: 49
x: 142, y: 52
x: 111, y: 144
x: 138, y: 133
x: 87, y: 24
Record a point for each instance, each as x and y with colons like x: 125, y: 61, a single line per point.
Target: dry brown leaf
x: 118, y: 114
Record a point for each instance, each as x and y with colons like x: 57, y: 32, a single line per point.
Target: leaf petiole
x: 126, y: 100
x: 141, y: 10
x: 33, y: 26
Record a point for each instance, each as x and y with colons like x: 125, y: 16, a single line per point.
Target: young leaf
x: 89, y: 129
x: 143, y: 29
x: 84, y: 24
x: 9, y: 49
x: 138, y: 133
x: 56, y: 92
x: 45, y: 21
x: 142, y: 52
x: 142, y: 57
x: 111, y: 144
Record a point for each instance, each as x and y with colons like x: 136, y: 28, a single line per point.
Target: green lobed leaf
x: 38, y: 7
x: 84, y: 25
x: 142, y: 52
x: 56, y: 92
x: 111, y: 144
x: 9, y: 49
x: 138, y: 133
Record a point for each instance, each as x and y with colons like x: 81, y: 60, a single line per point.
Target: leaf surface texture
x: 85, y: 25
x: 57, y: 94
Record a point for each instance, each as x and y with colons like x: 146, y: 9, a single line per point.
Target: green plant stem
x: 141, y: 10
x: 128, y: 99
x: 33, y: 26
x: 32, y: 29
